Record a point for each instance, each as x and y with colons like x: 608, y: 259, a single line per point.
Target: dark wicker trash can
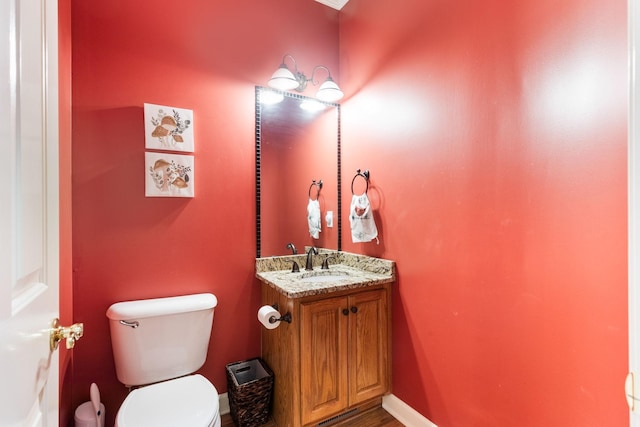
x: 250, y: 390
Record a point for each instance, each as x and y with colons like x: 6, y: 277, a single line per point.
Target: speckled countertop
x: 346, y: 271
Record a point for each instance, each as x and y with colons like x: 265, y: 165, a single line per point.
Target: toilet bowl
x: 188, y: 401
x: 158, y: 344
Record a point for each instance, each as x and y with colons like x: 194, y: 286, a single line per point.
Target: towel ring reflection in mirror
x: 318, y: 185
x: 365, y: 174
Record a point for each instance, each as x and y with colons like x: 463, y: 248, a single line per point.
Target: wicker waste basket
x: 250, y: 388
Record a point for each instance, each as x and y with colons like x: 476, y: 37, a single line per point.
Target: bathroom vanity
x: 333, y: 360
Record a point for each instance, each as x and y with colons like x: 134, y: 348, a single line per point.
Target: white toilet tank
x: 159, y: 339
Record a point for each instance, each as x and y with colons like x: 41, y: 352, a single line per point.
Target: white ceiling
x: 336, y: 4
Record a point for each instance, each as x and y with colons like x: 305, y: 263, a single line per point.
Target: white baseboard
x: 223, y: 399
x: 404, y: 413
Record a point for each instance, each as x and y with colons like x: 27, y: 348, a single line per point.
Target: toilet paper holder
x: 285, y: 318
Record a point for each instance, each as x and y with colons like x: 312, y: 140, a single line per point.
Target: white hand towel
x: 313, y: 216
x: 363, y: 226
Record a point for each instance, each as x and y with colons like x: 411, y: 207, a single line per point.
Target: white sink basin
x: 325, y: 278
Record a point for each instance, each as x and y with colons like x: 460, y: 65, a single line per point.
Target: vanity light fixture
x: 285, y: 79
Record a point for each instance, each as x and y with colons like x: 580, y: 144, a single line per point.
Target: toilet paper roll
x: 265, y: 313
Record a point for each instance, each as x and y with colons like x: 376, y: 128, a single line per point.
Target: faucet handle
x: 295, y: 268
x: 325, y: 262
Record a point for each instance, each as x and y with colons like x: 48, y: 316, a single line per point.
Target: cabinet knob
x: 345, y: 311
x: 354, y: 309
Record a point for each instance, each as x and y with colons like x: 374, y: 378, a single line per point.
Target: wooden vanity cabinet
x: 340, y: 360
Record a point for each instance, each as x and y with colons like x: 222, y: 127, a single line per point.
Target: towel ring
x: 319, y: 187
x: 364, y: 175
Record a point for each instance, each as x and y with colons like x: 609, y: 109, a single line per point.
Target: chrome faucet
x: 312, y: 251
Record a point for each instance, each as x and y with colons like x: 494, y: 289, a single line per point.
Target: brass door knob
x: 70, y: 334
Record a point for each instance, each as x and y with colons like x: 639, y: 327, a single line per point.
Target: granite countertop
x: 346, y: 271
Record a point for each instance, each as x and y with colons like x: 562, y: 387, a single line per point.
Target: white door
x: 28, y: 212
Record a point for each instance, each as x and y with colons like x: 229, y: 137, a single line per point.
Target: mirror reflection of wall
x: 296, y: 146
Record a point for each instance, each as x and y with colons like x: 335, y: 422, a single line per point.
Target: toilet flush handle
x: 133, y: 324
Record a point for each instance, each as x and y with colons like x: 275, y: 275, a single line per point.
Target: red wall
x: 495, y: 133
x: 206, y: 56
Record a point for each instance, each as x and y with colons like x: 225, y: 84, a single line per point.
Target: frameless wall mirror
x: 297, y: 146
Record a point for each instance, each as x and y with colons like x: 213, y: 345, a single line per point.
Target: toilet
x: 158, y: 344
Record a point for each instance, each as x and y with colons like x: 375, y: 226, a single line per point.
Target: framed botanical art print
x: 168, y: 128
x: 168, y: 175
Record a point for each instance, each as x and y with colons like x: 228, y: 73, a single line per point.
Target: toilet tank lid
x: 161, y: 306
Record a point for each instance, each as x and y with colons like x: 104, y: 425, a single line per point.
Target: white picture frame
x: 169, y: 175
x: 168, y: 128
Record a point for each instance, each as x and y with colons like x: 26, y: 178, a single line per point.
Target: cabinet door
x: 368, y: 355
x: 323, y: 350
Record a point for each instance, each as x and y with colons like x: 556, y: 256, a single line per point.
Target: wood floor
x: 376, y: 417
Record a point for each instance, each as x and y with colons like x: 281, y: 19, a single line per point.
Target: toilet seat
x: 186, y: 401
